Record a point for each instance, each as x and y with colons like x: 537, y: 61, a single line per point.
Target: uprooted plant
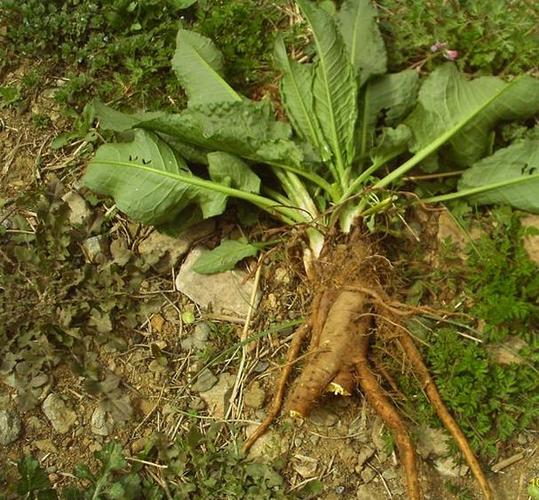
x: 330, y: 168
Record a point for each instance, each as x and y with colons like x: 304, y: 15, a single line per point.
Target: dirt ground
x: 343, y: 443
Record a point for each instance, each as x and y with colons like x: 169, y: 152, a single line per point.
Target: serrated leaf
x: 224, y: 257
x: 112, y: 457
x: 298, y: 101
x: 334, y: 85
x: 366, y: 48
x: 199, y: 67
x: 395, y: 94
x: 229, y: 170
x: 512, y: 173
x: 447, y: 97
x: 33, y: 479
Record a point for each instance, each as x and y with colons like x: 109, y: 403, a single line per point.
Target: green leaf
x: 199, y: 67
x: 247, y: 129
x: 181, y: 4
x: 334, y: 86
x: 297, y: 98
x: 224, y: 257
x: 366, y: 48
x: 230, y: 170
x: 447, y: 97
x: 395, y: 94
x: 110, y: 119
x: 392, y: 142
x: 145, y: 179
x: 509, y: 176
x: 33, y: 479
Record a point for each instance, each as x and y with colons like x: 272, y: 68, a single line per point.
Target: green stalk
x: 288, y: 215
x: 479, y: 189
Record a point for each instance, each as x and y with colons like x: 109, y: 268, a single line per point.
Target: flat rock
x: 158, y: 245
x: 10, y: 426
x: 225, y: 293
x: 205, y: 381
x: 198, y: 339
x: 217, y: 397
x: 59, y: 414
x: 101, y: 423
x: 531, y: 241
x: 322, y: 416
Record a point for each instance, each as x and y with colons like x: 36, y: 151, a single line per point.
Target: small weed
x: 499, y: 284
x: 491, y: 36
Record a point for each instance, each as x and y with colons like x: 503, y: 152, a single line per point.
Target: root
x: 448, y: 421
x: 293, y: 352
x: 336, y: 352
x: 383, y: 406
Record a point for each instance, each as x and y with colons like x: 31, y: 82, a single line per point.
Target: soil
x: 342, y: 443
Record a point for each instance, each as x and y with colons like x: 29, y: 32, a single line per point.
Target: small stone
x: 254, y: 396
x: 197, y: 404
x: 522, y: 439
x: 281, y: 276
x: 364, y: 454
x: 101, y: 422
x: 79, y: 211
x: 46, y: 446
x: 261, y: 366
x: 305, y: 466
x: 10, y: 426
x: 348, y: 456
x: 367, y: 475
x: 367, y: 492
x: 94, y: 249
x: 60, y: 416
x: 205, y: 381
x: 323, y: 417
x: 389, y: 474
x: 138, y: 445
x: 157, y: 322
x: 448, y: 467
x: 95, y: 446
x: 217, y: 397
x: 198, y: 339
x: 146, y: 406
x: 227, y: 293
x: 267, y: 448
x: 507, y: 352
x: 53, y: 477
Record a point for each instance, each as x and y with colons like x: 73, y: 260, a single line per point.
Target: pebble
x: 198, y: 339
x: 367, y: 475
x: 323, y: 417
x: 205, y: 381
x: 365, y: 454
x: 254, y: 396
x: 45, y: 445
x: 217, y: 397
x: 10, y: 426
x: 59, y: 414
x: 101, y: 423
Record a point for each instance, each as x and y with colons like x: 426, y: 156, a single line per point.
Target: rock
x: 205, y: 381
x: 217, y: 397
x: 323, y: 417
x: 432, y: 442
x: 146, y: 406
x: 261, y: 366
x: 367, y: 475
x: 46, y: 446
x: 367, y: 492
x: 281, y: 276
x: 198, y: 339
x: 305, y: 466
x: 267, y: 447
x: 227, y: 293
x: 10, y: 426
x: 254, y: 396
x: 60, y: 416
x: 449, y: 229
x: 507, y: 352
x: 364, y: 454
x: 101, y: 423
x: 138, y: 445
x: 159, y: 246
x: 448, y: 467
x: 94, y: 249
x: 531, y: 241
x: 79, y: 211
